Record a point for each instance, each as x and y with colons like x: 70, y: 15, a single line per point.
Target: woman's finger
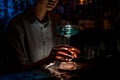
x: 64, y: 54
x: 61, y: 58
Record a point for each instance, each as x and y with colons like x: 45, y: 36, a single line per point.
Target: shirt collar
x: 32, y: 18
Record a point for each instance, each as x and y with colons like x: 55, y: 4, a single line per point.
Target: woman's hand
x: 64, y: 53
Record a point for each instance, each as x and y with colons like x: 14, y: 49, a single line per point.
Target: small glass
x: 67, y: 31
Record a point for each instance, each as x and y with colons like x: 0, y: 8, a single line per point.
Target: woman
x: 29, y: 39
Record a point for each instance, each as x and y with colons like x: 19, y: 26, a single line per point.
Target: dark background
x: 104, y: 42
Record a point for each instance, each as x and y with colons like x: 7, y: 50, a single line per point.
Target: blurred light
x: 81, y: 2
x: 85, y: 2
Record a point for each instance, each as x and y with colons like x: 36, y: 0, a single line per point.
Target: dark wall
x: 97, y: 11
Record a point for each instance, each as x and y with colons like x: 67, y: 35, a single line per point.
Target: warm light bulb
x: 86, y: 2
x: 81, y: 2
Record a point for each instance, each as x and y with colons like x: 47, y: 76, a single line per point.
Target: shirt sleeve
x: 14, y: 49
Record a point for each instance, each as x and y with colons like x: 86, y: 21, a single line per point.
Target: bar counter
x: 89, y: 70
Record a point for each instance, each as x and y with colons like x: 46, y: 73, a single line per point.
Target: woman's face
x: 48, y: 4
x: 51, y: 4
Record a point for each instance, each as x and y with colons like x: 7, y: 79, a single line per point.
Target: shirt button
x: 41, y: 28
x: 43, y: 41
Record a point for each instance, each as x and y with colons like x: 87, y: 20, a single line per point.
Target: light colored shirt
x: 41, y: 41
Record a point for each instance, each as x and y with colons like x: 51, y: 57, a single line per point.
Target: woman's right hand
x: 64, y: 53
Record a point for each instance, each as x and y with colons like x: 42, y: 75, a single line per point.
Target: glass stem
x: 68, y: 41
